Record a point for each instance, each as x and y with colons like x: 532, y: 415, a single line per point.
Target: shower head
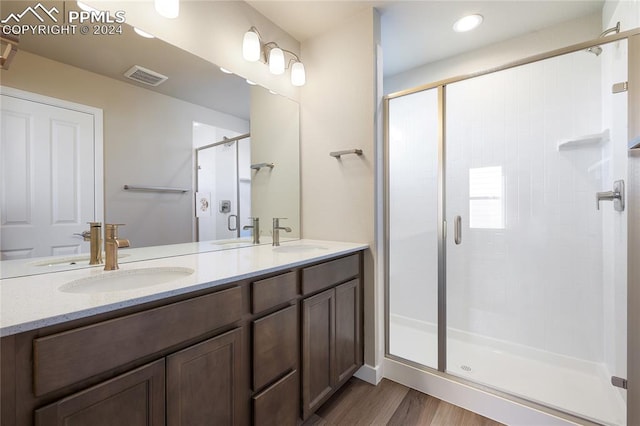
x: 596, y: 50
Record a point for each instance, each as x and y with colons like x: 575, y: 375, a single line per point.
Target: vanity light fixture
x: 142, y: 33
x: 253, y: 50
x: 467, y: 23
x: 167, y: 8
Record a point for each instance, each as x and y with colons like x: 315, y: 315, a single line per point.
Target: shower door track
x: 633, y: 38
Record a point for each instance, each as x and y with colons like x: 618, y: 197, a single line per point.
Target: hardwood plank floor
x: 389, y: 403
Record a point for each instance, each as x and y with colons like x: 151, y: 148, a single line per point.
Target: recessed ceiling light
x: 251, y: 82
x: 226, y: 71
x: 467, y: 23
x: 142, y: 33
x: 86, y: 7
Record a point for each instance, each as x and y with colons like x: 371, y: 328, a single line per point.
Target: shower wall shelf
x: 337, y: 154
x: 154, y: 189
x: 634, y: 143
x: 261, y: 165
x: 584, y: 141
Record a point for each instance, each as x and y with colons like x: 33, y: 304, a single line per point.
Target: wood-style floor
x: 389, y: 403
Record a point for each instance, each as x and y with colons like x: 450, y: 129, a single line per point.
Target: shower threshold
x: 572, y: 385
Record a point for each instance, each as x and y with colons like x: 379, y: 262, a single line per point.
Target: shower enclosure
x: 502, y: 269
x: 223, y: 182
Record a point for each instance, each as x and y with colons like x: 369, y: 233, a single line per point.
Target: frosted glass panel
x: 413, y: 243
x: 533, y: 291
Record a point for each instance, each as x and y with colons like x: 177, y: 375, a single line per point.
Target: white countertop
x: 31, y: 302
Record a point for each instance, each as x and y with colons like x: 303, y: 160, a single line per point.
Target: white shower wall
x: 538, y: 281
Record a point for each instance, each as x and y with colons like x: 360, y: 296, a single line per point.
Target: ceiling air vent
x: 143, y: 75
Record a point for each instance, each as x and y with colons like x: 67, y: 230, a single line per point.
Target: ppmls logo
x: 34, y: 11
x: 93, y: 22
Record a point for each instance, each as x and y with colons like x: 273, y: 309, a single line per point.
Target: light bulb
x: 168, y: 8
x: 251, y: 46
x: 276, y: 61
x: 298, y: 77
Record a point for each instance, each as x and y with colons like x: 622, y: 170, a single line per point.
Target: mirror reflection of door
x: 223, y: 185
x: 47, y: 161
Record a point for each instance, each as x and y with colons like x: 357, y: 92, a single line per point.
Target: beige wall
x: 338, y: 110
x: 275, y: 134
x: 147, y: 141
x: 213, y: 30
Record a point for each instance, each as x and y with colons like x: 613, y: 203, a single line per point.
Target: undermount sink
x: 125, y: 280
x: 69, y: 261
x: 298, y: 248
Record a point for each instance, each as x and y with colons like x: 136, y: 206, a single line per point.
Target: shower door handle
x: 457, y: 230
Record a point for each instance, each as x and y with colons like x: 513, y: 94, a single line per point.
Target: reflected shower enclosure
x: 491, y: 201
x: 223, y: 182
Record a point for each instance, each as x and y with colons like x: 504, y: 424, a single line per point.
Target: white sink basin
x: 298, y: 248
x: 70, y: 261
x: 123, y: 280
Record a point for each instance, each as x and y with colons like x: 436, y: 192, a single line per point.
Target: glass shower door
x: 536, y: 276
x: 413, y: 223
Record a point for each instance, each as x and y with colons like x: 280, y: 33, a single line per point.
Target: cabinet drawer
x: 278, y: 404
x: 69, y: 357
x: 275, y: 345
x: 274, y: 291
x: 316, y: 278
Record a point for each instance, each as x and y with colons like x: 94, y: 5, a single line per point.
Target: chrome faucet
x: 255, y: 225
x: 276, y: 230
x: 111, y: 245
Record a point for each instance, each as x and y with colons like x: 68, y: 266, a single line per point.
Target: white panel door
x: 47, y: 170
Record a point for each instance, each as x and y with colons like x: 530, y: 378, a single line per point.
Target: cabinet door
x: 203, y: 382
x: 347, y: 338
x: 317, y: 349
x: 135, y: 398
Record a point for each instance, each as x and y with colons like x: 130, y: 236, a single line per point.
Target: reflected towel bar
x: 154, y: 189
x: 337, y: 154
x: 261, y: 165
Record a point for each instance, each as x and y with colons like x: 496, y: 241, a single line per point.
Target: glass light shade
x: 168, y: 8
x: 251, y: 46
x: 298, y: 77
x: 276, y: 61
x: 467, y: 23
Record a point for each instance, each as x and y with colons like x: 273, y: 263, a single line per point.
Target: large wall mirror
x: 200, y: 152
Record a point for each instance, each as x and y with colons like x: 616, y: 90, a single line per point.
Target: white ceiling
x: 418, y: 32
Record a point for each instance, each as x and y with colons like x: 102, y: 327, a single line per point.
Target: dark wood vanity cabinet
x: 264, y: 351
x: 331, y: 330
x: 136, y: 398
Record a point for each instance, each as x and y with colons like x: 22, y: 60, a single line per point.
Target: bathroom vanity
x: 255, y: 335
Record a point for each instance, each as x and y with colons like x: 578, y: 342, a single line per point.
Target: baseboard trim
x: 370, y: 374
